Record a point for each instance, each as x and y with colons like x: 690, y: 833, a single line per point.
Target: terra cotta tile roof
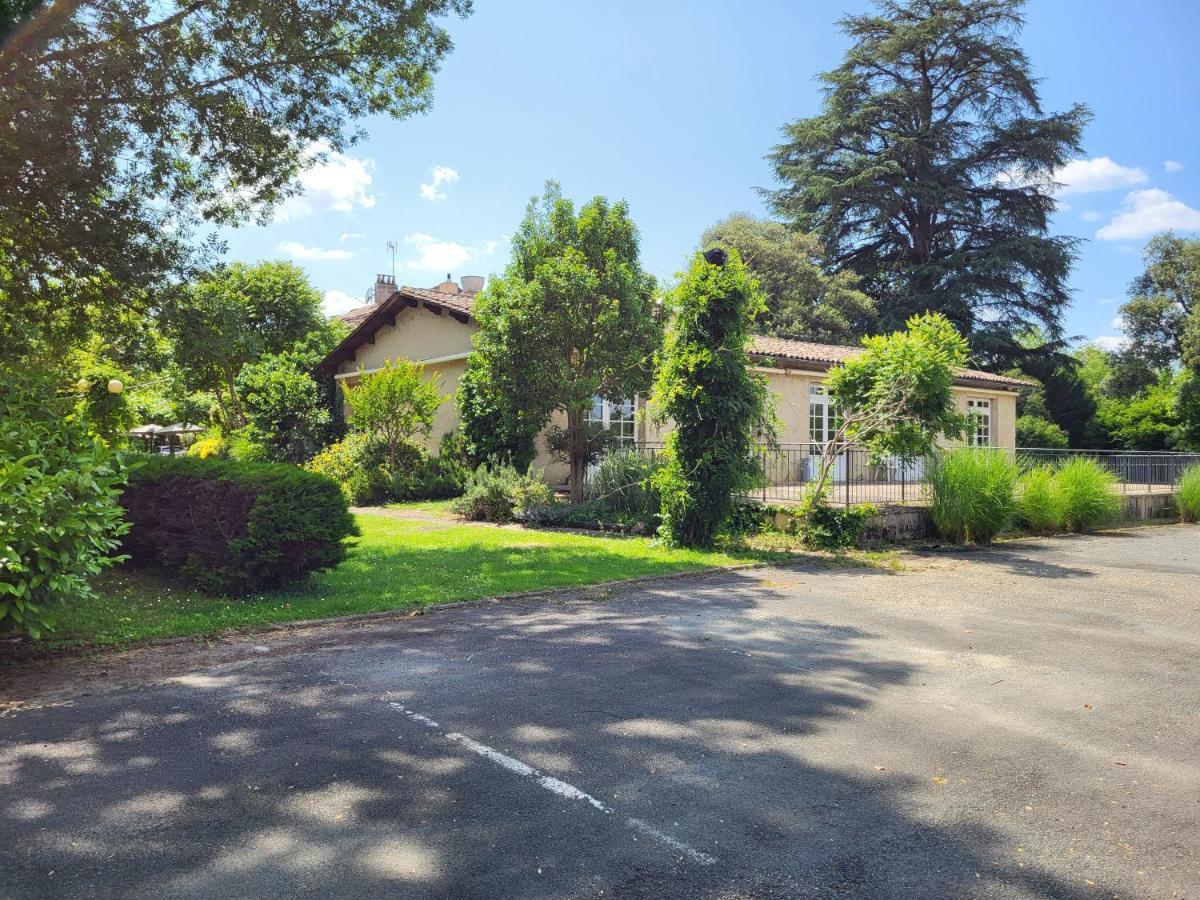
x: 787, y: 353
x: 781, y: 352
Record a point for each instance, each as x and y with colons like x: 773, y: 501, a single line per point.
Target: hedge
x: 234, y: 527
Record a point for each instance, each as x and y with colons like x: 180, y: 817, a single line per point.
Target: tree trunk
x: 577, y: 446
x: 237, y: 410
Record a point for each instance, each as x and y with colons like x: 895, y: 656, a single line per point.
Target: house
x: 434, y: 326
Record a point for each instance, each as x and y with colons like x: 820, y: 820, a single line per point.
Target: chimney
x: 472, y: 283
x: 385, y: 286
x: 449, y: 286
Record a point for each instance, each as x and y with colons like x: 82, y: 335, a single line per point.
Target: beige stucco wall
x: 790, y: 390
x: 422, y: 335
x: 419, y: 335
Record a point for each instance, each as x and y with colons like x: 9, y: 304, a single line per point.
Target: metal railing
x: 855, y: 477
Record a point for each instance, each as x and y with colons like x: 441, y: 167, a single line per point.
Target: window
x: 619, y: 419
x: 822, y: 415
x: 980, y: 433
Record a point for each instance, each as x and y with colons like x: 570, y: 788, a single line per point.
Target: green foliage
x: 897, y: 398
x: 1040, y: 505
x: 835, y: 527
x: 705, y: 385
x: 1189, y: 495
x: 1061, y: 392
x: 572, y: 318
x: 59, y: 516
x: 929, y: 171
x: 1162, y: 316
x: 211, y: 444
x: 624, y: 484
x: 396, y: 403
x: 359, y: 465
x: 1087, y: 491
x: 284, y: 407
x: 972, y: 493
x: 109, y: 414
x: 1034, y: 431
x: 1147, y: 421
x: 495, y: 429
x: 803, y: 299
x: 433, y: 478
x: 234, y: 315
x: 502, y: 494
x: 231, y: 527
x: 131, y: 127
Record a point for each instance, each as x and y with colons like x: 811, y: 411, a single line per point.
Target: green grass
x: 1189, y: 495
x: 396, y: 564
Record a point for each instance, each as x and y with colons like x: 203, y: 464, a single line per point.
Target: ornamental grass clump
x: 973, y: 494
x: 1189, y: 495
x: 1087, y: 492
x: 1039, y: 504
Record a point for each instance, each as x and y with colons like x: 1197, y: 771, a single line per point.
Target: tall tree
x: 234, y: 315
x: 719, y: 406
x: 1162, y: 316
x: 572, y: 318
x: 803, y: 300
x: 929, y: 171
x: 124, y: 126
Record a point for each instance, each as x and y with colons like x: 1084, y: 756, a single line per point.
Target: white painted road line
x: 554, y: 785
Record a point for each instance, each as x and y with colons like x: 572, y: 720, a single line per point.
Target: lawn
x: 397, y: 563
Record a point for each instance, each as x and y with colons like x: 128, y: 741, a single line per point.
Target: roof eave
x: 385, y: 314
x: 824, y: 365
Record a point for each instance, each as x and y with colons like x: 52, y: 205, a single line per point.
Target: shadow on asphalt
x: 680, y: 705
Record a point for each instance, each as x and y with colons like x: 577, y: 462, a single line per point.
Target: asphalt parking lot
x: 1020, y: 722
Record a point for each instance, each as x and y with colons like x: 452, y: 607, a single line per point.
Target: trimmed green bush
x: 835, y: 527
x: 502, y: 494
x: 1189, y: 495
x: 231, y: 527
x: 1087, y: 492
x: 59, y: 516
x: 1034, y: 431
x: 1039, y: 503
x: 973, y: 493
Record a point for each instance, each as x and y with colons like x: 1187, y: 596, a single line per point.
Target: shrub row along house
x: 434, y: 326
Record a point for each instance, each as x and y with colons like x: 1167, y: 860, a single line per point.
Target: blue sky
x: 672, y: 106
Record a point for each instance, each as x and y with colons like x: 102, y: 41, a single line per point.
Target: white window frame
x: 980, y: 409
x: 619, y: 419
x: 818, y: 398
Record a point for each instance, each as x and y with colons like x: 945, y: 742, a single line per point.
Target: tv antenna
x: 392, y: 247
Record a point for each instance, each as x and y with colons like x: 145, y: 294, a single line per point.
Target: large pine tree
x: 929, y: 171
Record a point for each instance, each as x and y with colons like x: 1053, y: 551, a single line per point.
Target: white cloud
x: 1109, y: 342
x: 1146, y: 212
x: 297, y: 250
x: 1090, y: 215
x: 441, y: 175
x: 489, y: 247
x: 1118, y: 323
x: 1089, y: 176
x: 333, y: 181
x: 338, y: 302
x: 1171, y: 166
x: 351, y: 236
x: 436, y: 256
